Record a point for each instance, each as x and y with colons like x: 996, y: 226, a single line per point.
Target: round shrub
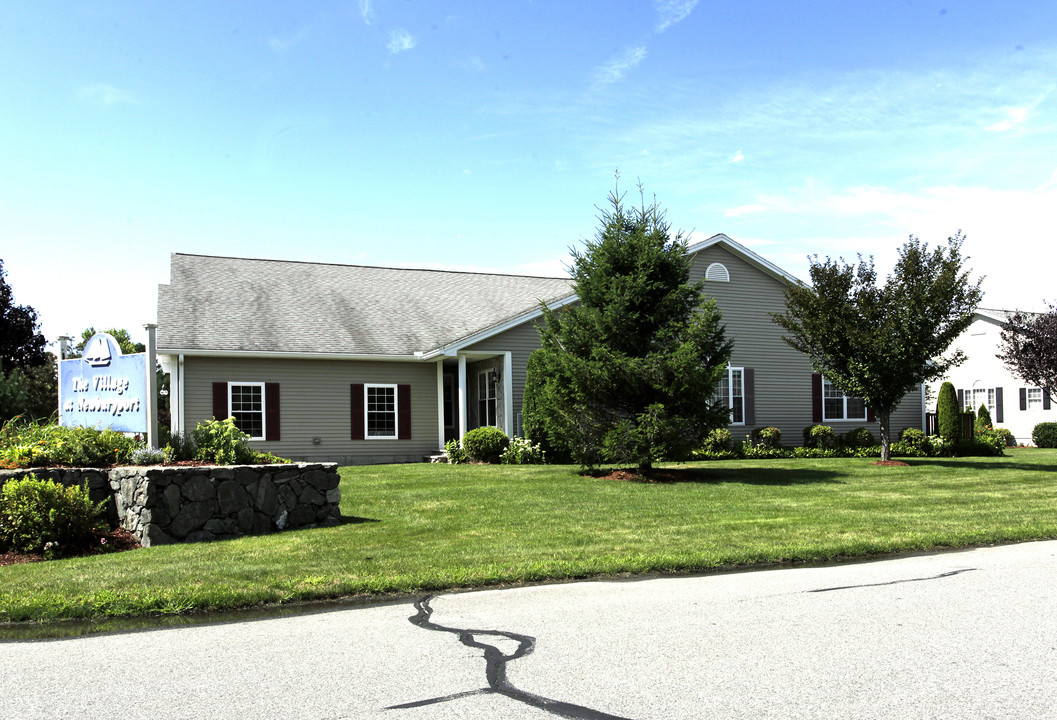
x: 1045, y: 435
x: 916, y: 439
x: 718, y: 440
x: 220, y: 442
x: 819, y: 436
x: 485, y: 444
x: 768, y: 437
x: 46, y: 517
x: 1006, y: 434
x: 454, y: 451
x: 859, y: 438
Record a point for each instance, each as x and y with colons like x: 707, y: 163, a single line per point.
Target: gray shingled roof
x: 239, y: 304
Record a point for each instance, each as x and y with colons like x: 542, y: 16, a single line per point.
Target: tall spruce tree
x: 627, y: 375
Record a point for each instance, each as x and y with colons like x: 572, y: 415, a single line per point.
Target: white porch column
x: 508, y: 394
x: 462, y: 396
x: 440, y: 403
x: 152, y: 385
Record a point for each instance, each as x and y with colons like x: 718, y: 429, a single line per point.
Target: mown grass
x: 413, y: 528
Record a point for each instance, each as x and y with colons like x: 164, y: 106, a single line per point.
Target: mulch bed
x: 108, y: 541
x: 890, y: 463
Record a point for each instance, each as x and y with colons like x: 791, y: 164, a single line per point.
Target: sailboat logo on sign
x: 97, y: 353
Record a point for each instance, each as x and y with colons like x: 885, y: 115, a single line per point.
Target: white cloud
x: 367, y: 12
x: 1007, y: 232
x: 103, y: 94
x: 400, y: 41
x: 616, y: 68
x: 744, y: 210
x: 284, y: 44
x: 670, y: 12
x: 738, y: 157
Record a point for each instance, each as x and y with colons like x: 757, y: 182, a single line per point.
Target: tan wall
x: 315, y: 402
x: 783, y: 375
x: 521, y: 341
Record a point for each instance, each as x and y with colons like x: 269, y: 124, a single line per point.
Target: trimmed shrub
x: 718, y: 441
x: 859, y: 438
x: 767, y: 437
x: 988, y: 443
x: 485, y: 444
x: 146, y: 455
x: 821, y: 437
x: 521, y: 451
x: 1044, y: 435
x: 948, y: 414
x: 983, y: 420
x: 220, y: 442
x: 46, y: 517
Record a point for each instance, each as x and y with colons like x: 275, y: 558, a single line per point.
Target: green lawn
x: 412, y: 528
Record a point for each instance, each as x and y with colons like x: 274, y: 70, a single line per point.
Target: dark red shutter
x: 359, y: 428
x: 403, y: 412
x: 998, y: 406
x: 749, y: 378
x: 1023, y: 398
x: 816, y: 397
x: 271, y: 412
x: 961, y: 400
x: 870, y: 415
x: 220, y: 401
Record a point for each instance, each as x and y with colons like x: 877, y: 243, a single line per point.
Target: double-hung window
x: 730, y: 392
x: 380, y: 410
x: 486, y: 398
x: 838, y: 406
x: 246, y: 405
x: 1034, y: 398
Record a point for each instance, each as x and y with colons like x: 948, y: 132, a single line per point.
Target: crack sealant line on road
x: 893, y: 582
x: 495, y: 669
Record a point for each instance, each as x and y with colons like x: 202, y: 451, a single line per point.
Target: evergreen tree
x: 627, y: 375
x: 983, y: 419
x: 948, y: 414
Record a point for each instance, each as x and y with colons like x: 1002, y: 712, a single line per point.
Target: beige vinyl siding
x: 521, y: 341
x: 315, y: 402
x: 782, y: 374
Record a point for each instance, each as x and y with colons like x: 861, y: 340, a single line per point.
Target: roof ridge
x: 374, y: 267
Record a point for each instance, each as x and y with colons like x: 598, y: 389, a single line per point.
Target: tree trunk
x: 884, y: 419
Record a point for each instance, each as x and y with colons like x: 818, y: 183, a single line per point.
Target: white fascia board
x: 746, y: 254
x: 453, y: 349
x: 275, y: 355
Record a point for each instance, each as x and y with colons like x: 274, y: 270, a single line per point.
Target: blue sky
x: 485, y: 135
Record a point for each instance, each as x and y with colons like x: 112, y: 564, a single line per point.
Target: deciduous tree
x: 880, y: 341
x: 1029, y: 347
x: 21, y: 343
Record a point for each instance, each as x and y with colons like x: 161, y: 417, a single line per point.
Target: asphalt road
x: 955, y: 635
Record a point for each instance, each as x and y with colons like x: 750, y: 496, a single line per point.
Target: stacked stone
x: 162, y: 505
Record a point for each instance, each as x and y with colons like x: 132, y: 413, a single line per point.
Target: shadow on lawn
x: 353, y: 520
x: 976, y: 464
x: 747, y: 476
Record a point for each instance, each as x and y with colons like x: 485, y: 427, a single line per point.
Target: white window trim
x: 844, y: 406
x: 486, y: 400
x: 396, y: 412
x: 264, y: 401
x: 730, y: 394
x: 1037, y: 403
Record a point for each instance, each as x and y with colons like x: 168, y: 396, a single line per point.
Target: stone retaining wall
x: 161, y: 505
